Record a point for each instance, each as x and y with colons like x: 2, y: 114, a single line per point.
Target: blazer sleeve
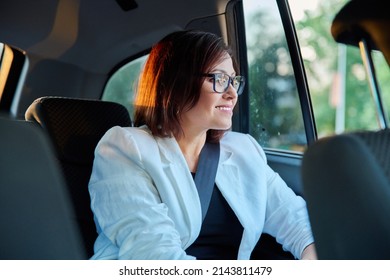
x: 127, y: 207
x: 286, y: 218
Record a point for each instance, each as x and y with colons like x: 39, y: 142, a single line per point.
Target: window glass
x: 275, y: 113
x: 338, y: 85
x: 382, y: 70
x: 122, y: 85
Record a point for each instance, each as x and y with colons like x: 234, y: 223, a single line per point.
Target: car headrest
x: 76, y: 125
x: 368, y: 19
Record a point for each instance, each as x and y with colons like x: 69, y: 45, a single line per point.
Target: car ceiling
x: 74, y: 45
x: 99, y: 32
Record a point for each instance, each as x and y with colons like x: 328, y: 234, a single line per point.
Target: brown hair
x: 171, y: 80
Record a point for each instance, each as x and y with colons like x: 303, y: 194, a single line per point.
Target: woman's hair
x: 171, y: 80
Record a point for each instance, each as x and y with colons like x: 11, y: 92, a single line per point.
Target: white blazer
x: 146, y: 204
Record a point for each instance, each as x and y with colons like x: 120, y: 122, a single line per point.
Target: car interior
x: 57, y: 57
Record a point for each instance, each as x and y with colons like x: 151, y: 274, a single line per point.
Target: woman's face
x: 213, y: 110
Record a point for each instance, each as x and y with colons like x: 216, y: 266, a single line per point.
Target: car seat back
x: 36, y: 215
x: 346, y: 181
x: 75, y: 126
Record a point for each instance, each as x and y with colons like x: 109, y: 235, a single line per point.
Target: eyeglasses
x: 222, y: 81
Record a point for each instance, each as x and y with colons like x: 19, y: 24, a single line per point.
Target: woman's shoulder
x: 128, y: 136
x: 134, y: 142
x: 241, y: 143
x: 136, y: 132
x: 237, y: 138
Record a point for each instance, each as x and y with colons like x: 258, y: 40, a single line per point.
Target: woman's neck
x: 191, y: 148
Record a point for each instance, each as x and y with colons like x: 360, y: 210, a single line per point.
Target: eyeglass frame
x: 240, y: 88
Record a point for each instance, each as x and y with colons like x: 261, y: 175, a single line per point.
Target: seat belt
x: 206, y: 173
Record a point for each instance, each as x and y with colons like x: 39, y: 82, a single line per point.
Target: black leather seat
x: 36, y: 215
x: 75, y: 126
x: 346, y: 180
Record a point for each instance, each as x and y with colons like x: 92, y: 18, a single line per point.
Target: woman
x: 144, y: 197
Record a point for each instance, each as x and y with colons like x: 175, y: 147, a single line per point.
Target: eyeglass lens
x: 222, y: 81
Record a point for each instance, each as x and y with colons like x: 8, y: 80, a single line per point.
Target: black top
x: 221, y: 232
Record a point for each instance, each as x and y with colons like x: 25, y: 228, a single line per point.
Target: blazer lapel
x: 234, y: 191
x: 228, y: 182
x: 186, y: 209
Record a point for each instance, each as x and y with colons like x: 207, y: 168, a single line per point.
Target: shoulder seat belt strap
x: 206, y: 173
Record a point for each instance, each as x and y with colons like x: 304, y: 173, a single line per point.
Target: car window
x: 14, y: 64
x: 275, y: 117
x: 338, y: 84
x: 122, y: 84
x: 383, y: 76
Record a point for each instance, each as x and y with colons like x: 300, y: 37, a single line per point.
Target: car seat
x: 75, y: 126
x: 36, y: 215
x: 346, y: 181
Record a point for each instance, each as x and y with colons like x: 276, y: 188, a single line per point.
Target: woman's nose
x: 231, y: 92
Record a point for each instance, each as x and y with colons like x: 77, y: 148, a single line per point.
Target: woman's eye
x: 221, y: 80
